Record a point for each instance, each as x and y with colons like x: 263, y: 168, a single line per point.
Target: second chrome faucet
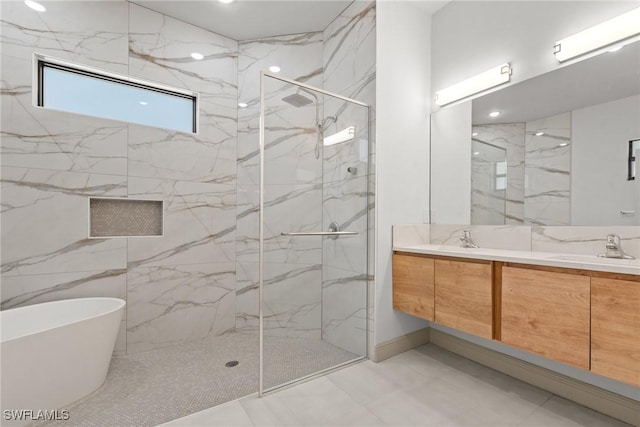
x: 466, y: 241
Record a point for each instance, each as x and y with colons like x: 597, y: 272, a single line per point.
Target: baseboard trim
x: 606, y: 402
x: 400, y: 344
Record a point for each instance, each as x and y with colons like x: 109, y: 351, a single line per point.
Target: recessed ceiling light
x: 476, y: 153
x: 197, y: 56
x: 226, y: 1
x: 35, y: 6
x: 474, y: 134
x: 539, y: 133
x: 274, y: 69
x: 494, y: 114
x: 243, y: 104
x: 143, y: 103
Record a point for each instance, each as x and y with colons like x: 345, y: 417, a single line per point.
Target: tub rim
x: 121, y: 303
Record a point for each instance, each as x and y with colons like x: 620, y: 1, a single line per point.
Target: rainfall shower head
x: 297, y: 100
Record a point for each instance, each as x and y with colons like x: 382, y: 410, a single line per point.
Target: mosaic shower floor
x: 150, y: 388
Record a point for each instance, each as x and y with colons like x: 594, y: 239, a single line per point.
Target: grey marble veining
x: 171, y: 304
x: 292, y: 299
x: 548, y: 171
x: 91, y: 33
x: 348, y: 197
x: 584, y: 240
x: 160, y: 49
x: 199, y: 223
x: 47, y: 139
x: 512, y: 237
x: 511, y: 138
x: 44, y: 222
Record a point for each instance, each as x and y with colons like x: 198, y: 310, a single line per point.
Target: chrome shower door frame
x: 264, y: 75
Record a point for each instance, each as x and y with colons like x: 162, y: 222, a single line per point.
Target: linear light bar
x: 344, y: 135
x: 490, y: 78
x: 619, y: 28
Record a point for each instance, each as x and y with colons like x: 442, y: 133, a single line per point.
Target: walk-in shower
x: 314, y: 228
x: 298, y: 100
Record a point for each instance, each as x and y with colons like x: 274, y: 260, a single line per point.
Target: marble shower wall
x: 510, y: 137
x: 349, y: 69
x: 178, y: 287
x: 293, y: 188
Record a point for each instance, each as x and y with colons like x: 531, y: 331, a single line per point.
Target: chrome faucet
x: 466, y: 241
x: 613, y: 248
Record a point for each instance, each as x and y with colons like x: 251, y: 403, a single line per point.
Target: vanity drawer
x: 615, y: 329
x: 547, y: 313
x: 464, y: 296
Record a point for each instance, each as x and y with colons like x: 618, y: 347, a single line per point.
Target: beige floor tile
x: 315, y: 403
x: 562, y: 412
x: 227, y: 414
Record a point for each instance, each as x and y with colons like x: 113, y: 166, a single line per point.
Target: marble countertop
x: 583, y: 262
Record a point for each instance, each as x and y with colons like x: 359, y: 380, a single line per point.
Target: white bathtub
x: 54, y: 354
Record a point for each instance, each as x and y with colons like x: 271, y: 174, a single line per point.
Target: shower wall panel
x: 293, y: 189
x: 178, y: 287
x: 349, y: 69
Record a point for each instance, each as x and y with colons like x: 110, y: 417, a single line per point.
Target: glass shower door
x: 314, y: 202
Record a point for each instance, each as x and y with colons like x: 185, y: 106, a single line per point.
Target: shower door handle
x: 320, y: 233
x: 333, y: 233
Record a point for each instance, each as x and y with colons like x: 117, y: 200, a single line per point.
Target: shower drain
x: 231, y: 363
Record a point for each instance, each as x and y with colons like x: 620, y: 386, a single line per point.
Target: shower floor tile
x: 150, y: 388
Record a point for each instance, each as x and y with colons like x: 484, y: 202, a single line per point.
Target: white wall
x: 470, y: 37
x: 451, y: 145
x: 600, y: 137
x: 402, y: 148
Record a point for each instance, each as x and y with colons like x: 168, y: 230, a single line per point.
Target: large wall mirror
x: 560, y: 152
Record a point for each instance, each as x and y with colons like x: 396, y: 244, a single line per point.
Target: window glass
x: 63, y: 88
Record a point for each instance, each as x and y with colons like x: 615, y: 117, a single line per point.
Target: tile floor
x: 427, y: 386
x: 150, y: 388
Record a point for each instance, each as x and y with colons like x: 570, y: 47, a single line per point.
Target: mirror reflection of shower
x: 298, y: 100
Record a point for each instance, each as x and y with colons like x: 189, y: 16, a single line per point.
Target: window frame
x: 40, y: 62
x: 632, y: 160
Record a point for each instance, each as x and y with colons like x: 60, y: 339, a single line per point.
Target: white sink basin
x: 592, y: 259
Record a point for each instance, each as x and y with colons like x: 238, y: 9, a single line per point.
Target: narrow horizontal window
x: 78, y: 90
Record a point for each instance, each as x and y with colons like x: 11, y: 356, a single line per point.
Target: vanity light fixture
x: 619, y: 28
x: 243, y: 104
x: 344, y: 135
x: 35, y: 6
x: 197, y: 56
x: 494, y: 114
x: 274, y: 69
x: 490, y: 78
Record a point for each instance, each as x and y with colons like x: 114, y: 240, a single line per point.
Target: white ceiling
x: 252, y: 19
x: 255, y: 19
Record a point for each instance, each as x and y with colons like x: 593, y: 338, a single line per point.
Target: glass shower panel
x: 488, y: 183
x: 314, y: 224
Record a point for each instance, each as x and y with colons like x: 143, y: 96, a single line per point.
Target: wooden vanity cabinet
x: 464, y: 296
x: 413, y: 285
x: 615, y: 329
x: 547, y: 313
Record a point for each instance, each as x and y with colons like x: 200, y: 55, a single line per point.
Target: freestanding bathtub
x: 54, y: 354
